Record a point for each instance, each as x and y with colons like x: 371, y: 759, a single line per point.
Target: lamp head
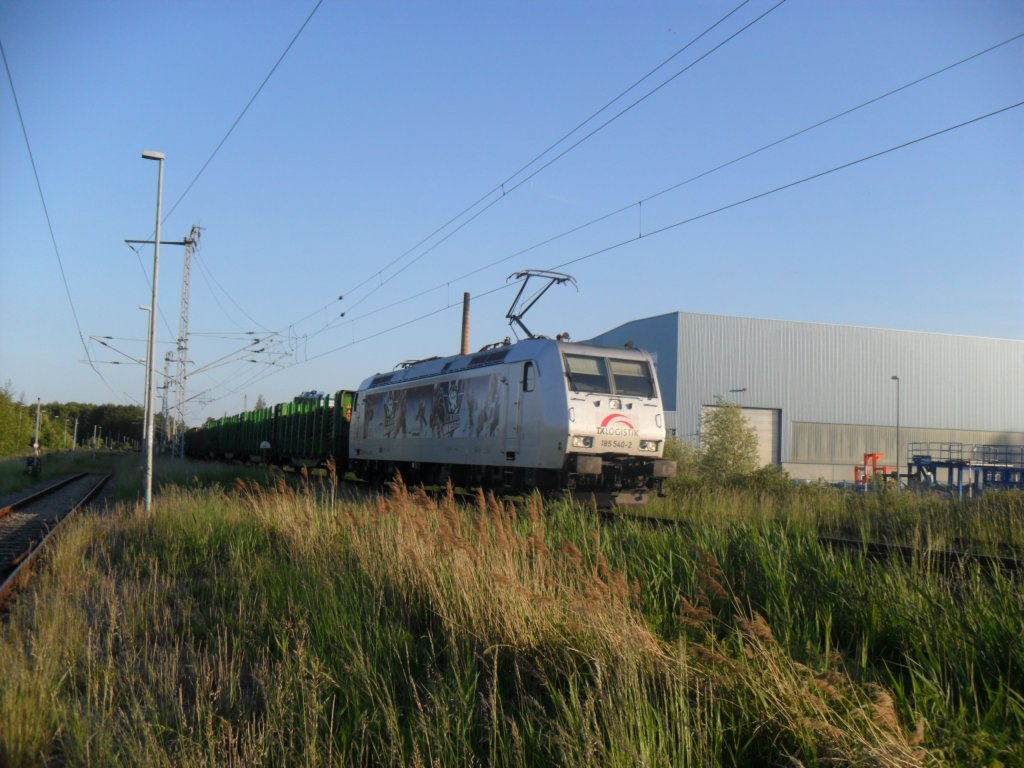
x: 151, y: 155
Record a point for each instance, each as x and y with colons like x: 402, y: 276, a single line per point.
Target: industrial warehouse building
x: 821, y: 396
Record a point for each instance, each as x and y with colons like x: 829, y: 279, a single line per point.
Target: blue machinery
x: 975, y: 467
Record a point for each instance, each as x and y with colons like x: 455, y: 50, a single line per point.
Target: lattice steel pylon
x: 165, y: 411
x: 181, y: 372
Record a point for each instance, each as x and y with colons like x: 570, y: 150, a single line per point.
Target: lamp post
x: 151, y: 352
x: 897, y: 380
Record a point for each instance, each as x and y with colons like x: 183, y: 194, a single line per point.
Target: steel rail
x: 945, y: 559
x: 21, y: 567
x: 35, y: 496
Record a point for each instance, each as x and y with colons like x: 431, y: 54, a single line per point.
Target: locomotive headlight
x: 582, y: 442
x: 650, y: 445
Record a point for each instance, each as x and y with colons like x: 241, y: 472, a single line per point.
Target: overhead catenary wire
x: 245, y: 109
x: 790, y: 185
x: 503, y: 186
x: 237, y: 357
x: 351, y: 319
x: 229, y: 297
x: 691, y: 219
x: 253, y: 378
x: 213, y: 294
x: 721, y: 208
x: 128, y: 338
x: 637, y: 203
x: 224, y: 139
x: 656, y: 232
x: 503, y: 189
x: 49, y: 222
x: 148, y: 280
x: 224, y: 335
x: 391, y: 329
x: 224, y: 359
x: 499, y: 186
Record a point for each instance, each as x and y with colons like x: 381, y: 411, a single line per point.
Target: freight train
x: 539, y: 413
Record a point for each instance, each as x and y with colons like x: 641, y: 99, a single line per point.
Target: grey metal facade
x: 833, y: 384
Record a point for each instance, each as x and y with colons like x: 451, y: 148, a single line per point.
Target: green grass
x: 255, y: 624
x: 13, y: 477
x: 128, y: 472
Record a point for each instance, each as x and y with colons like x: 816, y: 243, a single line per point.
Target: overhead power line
x: 245, y: 109
x: 652, y: 233
x: 790, y: 185
x: 622, y: 209
x: 221, y: 143
x: 49, y: 223
x: 643, y: 235
x: 689, y: 220
x: 501, y: 186
x: 206, y: 270
x: 503, y: 189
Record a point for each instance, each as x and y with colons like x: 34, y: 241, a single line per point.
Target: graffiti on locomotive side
x: 457, y: 408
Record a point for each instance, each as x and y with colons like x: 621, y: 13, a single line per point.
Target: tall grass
x: 262, y: 625
x: 127, y: 470
x: 13, y: 477
x: 990, y: 524
x: 948, y: 646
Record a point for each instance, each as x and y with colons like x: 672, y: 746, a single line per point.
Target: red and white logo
x: 616, y: 424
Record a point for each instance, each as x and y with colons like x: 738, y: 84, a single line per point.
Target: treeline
x: 106, y: 425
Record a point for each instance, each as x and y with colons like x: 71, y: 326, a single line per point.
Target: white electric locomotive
x: 539, y: 413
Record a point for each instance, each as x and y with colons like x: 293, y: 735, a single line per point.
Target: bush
x: 770, y: 479
x: 728, y: 443
x: 687, y: 461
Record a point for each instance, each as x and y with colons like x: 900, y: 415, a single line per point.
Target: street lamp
x: 897, y: 380
x: 151, y: 351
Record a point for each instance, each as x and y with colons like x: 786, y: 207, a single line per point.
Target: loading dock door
x: 766, y: 423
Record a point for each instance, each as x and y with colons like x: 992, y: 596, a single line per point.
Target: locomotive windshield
x: 610, y: 376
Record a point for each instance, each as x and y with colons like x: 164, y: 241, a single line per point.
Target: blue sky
x: 385, y: 120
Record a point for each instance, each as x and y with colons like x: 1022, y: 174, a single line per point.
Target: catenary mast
x: 181, y: 373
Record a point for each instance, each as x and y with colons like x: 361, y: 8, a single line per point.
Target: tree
x: 260, y: 403
x: 57, y: 423
x: 728, y: 442
x: 14, y: 418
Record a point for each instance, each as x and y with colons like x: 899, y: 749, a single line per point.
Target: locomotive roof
x: 493, y: 355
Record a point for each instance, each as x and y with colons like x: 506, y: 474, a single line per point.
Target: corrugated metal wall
x: 833, y: 375
x: 847, y: 443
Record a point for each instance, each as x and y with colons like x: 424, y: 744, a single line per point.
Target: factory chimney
x: 465, y: 324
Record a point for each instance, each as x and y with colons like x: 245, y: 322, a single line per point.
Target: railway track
x: 27, y: 523
x: 945, y: 560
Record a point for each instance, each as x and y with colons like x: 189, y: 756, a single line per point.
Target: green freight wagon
x: 309, y: 429
x: 256, y: 431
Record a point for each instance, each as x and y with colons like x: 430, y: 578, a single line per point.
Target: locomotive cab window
x: 587, y: 374
x: 632, y: 377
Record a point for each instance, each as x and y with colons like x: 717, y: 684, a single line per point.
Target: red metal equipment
x: 866, y: 473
